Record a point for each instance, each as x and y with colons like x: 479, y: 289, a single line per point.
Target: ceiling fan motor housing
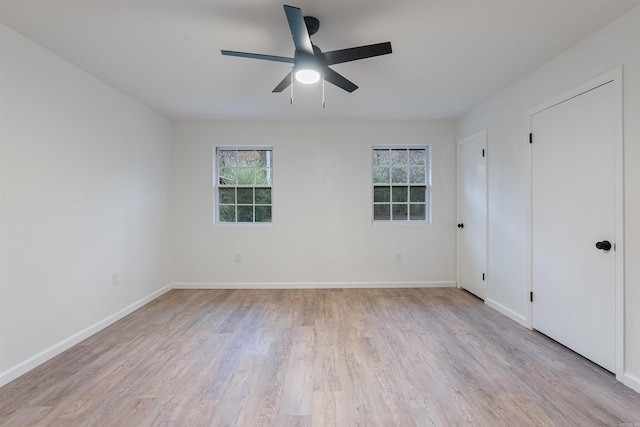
x: 312, y: 23
x: 304, y: 60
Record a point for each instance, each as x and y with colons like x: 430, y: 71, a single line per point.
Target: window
x: 244, y: 185
x: 401, y: 183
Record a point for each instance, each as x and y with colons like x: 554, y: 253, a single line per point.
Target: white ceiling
x: 448, y: 56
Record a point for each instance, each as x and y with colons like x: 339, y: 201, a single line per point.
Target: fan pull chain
x: 322, y: 90
x: 291, y: 86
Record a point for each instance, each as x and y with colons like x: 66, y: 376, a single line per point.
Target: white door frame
x: 614, y: 77
x: 480, y: 134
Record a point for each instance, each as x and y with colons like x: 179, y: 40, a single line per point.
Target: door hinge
x: 483, y: 276
x: 531, y: 296
x: 483, y: 152
x: 531, y: 138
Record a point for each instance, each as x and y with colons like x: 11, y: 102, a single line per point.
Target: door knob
x: 605, y: 245
x: 461, y: 225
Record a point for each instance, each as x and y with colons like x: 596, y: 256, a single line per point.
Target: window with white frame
x: 244, y: 183
x: 401, y: 183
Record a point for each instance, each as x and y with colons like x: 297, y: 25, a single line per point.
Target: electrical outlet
x: 237, y: 258
x: 398, y: 257
x: 115, y: 279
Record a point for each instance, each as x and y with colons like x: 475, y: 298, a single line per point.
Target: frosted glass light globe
x: 307, y: 76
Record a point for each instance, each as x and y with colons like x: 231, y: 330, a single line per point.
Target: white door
x: 472, y: 214
x: 573, y: 208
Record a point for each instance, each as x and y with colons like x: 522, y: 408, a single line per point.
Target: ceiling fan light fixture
x: 310, y: 64
x: 307, y: 76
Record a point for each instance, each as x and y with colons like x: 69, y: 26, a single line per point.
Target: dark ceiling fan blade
x: 258, y: 56
x: 299, y: 31
x: 283, y: 84
x: 338, y: 80
x: 354, y: 53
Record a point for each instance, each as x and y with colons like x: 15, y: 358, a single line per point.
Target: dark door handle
x: 605, y: 245
x: 461, y: 225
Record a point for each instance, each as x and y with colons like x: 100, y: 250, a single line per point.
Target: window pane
x: 399, y: 194
x: 227, y: 176
x: 246, y: 176
x: 381, y: 194
x: 381, y: 212
x: 417, y: 157
x: 245, y: 196
x: 247, y: 158
x: 263, y: 160
x: 399, y: 157
x: 417, y: 175
x: 399, y: 212
x: 263, y: 213
x: 398, y: 175
x: 418, y: 194
x: 227, y: 214
x: 417, y: 212
x: 227, y: 159
x: 263, y: 196
x: 381, y: 174
x: 245, y: 213
x: 262, y: 177
x: 381, y: 157
x: 227, y: 195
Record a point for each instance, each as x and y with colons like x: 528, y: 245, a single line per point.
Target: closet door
x: 472, y: 214
x: 573, y: 224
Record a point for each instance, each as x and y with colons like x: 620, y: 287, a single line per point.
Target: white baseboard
x: 310, y: 285
x: 631, y: 381
x: 34, y: 361
x: 507, y: 312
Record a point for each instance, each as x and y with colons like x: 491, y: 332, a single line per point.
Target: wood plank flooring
x: 339, y: 357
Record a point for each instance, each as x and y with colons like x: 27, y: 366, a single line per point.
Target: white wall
x: 322, y: 233
x: 506, y: 118
x: 84, y: 192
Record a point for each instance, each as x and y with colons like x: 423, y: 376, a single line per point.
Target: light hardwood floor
x: 367, y: 357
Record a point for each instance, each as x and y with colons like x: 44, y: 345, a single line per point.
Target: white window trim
x: 428, y: 184
x: 216, y: 185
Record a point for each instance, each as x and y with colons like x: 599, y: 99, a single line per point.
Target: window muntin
x: 401, y: 183
x: 244, y: 185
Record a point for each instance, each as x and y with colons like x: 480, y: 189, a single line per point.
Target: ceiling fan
x: 310, y: 64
